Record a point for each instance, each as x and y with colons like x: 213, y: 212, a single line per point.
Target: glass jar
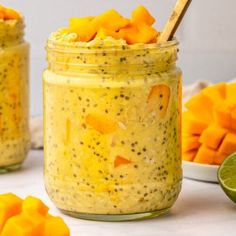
x: 112, y: 117
x: 14, y: 107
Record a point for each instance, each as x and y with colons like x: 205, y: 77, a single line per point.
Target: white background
x: 207, y: 35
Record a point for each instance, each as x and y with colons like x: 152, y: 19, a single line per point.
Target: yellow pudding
x: 112, y: 127
x: 14, y: 130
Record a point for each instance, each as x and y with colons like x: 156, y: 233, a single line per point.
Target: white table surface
x: 202, y: 208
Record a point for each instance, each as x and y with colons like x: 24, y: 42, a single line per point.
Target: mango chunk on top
x: 231, y: 92
x: 138, y: 29
x: 142, y: 15
x: 141, y: 33
x: 84, y: 27
x: 9, y: 13
x: 111, y: 20
x: 192, y: 124
x: 104, y: 33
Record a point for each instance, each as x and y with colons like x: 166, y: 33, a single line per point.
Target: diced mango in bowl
x: 137, y: 29
x: 28, y: 217
x: 209, y: 125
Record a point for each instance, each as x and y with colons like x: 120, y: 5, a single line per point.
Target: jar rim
x: 75, y: 47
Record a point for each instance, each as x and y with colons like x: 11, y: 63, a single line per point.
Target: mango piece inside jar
x: 158, y: 99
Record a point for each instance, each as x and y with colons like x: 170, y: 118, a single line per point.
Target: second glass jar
x: 14, y: 95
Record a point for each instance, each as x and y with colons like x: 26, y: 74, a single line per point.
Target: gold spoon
x: 174, y: 20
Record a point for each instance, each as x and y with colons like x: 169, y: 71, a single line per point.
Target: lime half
x: 227, y: 176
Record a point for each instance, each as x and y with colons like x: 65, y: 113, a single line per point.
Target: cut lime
x: 227, y: 176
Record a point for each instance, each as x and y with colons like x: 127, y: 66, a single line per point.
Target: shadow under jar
x: 112, y: 120
x: 14, y: 107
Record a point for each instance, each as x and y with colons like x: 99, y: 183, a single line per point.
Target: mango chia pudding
x: 112, y: 107
x: 14, y: 130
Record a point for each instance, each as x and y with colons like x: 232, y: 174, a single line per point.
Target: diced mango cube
x: 19, y: 226
x: 2, y: 15
x: 10, y: 205
x: 104, y: 33
x: 190, y: 143
x: 29, y: 218
x: 233, y: 119
x: 55, y: 226
x: 189, y: 155
x: 222, y: 114
x: 101, y: 122
x: 111, y: 20
x: 2, y: 12
x: 228, y: 146
x: 129, y: 34
x: 192, y: 125
x: 34, y: 204
x: 215, y: 93
x: 11, y: 14
x: 205, y: 155
x: 219, y: 158
x: 84, y: 27
x: 2, y: 8
x: 142, y: 15
x: 200, y: 107
x: 231, y: 92
x: 213, y: 136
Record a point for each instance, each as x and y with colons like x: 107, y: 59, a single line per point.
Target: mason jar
x: 14, y: 95
x: 112, y: 125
